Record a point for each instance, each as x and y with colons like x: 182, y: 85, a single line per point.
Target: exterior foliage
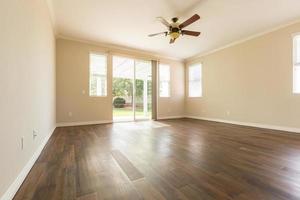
x: 119, y: 102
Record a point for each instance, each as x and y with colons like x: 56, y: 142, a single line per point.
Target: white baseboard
x: 14, y: 187
x: 170, y: 117
x: 257, y: 125
x: 63, y: 124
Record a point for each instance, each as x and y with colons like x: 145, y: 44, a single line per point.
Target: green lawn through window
x: 127, y: 112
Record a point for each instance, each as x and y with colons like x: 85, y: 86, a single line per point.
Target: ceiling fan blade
x: 191, y: 33
x: 164, y: 22
x: 172, y: 41
x: 189, y: 21
x: 151, y: 35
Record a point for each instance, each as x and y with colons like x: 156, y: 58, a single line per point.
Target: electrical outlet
x: 70, y: 114
x: 83, y: 92
x: 228, y: 112
x: 34, y: 133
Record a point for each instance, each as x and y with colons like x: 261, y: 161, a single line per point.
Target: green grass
x: 127, y: 112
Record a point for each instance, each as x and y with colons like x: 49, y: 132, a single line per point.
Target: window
x: 296, y: 62
x: 195, y: 80
x: 164, y: 80
x: 98, y: 71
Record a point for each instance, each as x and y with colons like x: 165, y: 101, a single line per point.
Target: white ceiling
x: 128, y: 22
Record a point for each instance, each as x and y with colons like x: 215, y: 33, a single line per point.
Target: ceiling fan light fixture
x: 174, y: 35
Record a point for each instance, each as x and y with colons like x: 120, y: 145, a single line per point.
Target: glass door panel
x: 123, y: 91
x: 143, y: 90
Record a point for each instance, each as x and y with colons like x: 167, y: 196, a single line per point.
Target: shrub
x: 119, y: 102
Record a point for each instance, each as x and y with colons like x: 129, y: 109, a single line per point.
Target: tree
x: 122, y: 87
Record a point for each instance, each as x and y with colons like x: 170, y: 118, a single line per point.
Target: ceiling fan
x: 175, y: 29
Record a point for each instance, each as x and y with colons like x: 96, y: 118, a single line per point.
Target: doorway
x: 132, y: 89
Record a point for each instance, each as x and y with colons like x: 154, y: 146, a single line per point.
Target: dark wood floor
x: 172, y: 159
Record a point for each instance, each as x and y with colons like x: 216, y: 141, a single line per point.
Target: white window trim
x: 295, y: 63
x: 169, y: 88
x: 201, y: 83
x: 106, y: 75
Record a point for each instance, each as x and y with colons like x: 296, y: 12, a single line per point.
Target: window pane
x: 195, y: 89
x: 98, y: 70
x: 296, y: 60
x: 194, y: 73
x: 296, y: 79
x: 195, y: 80
x: 164, y: 89
x: 164, y: 72
x: 297, y: 53
x: 164, y: 80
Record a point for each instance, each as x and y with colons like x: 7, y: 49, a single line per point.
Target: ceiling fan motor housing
x: 174, y: 19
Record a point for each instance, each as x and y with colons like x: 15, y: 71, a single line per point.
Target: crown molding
x: 51, y: 14
x: 198, y: 56
x: 113, y: 48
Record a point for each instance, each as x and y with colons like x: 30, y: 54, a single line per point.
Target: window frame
x: 295, y: 63
x: 200, y: 80
x: 169, y: 81
x: 106, y: 74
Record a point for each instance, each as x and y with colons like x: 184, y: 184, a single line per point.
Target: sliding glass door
x: 132, y: 89
x: 143, y: 89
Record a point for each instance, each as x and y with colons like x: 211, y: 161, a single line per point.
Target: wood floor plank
x: 147, y: 191
x: 131, y: 171
x: 166, y: 160
x: 31, y: 183
x: 194, y: 192
x: 92, y: 196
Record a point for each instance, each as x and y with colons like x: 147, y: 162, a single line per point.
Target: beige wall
x: 27, y: 83
x: 72, y: 80
x: 250, y: 82
x: 73, y: 84
x: 173, y: 106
